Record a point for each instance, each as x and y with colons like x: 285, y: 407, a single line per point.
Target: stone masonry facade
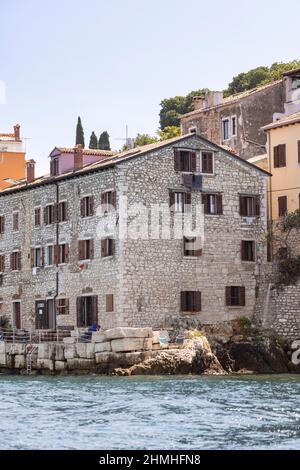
x: 146, y: 274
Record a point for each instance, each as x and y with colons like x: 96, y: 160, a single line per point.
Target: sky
x: 112, y: 62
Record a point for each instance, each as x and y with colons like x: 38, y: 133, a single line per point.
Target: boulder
x: 102, y: 347
x: 60, y: 365
x: 80, y: 364
x: 46, y: 351
x: 59, y: 352
x: 69, y: 340
x: 98, y: 337
x: 2, y: 359
x: 20, y: 362
x: 47, y: 364
x: 131, y: 344
x: 17, y: 348
x: 105, y: 357
x: 2, y: 347
x: 127, y: 332
x: 70, y: 351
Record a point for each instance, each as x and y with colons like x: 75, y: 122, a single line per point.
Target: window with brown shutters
x: 108, y: 201
x: 87, y: 206
x: 212, y: 204
x: 280, y: 156
x: 2, y: 263
x: 282, y: 206
x: 16, y: 221
x: 37, y: 217
x: 180, y: 201
x: 49, y: 214
x: 15, y: 261
x: 62, y: 306
x: 107, y: 247
x: 2, y: 224
x: 109, y: 302
x: 249, y: 206
x: 85, y: 250
x: 207, y: 164
x: 235, y: 296
x: 191, y: 247
x: 61, y: 253
x: 185, y: 160
x: 37, y: 257
x: 190, y: 301
x: 62, y: 212
x: 54, y: 167
x: 248, y: 250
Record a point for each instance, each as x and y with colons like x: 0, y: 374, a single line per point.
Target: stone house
x: 104, y: 243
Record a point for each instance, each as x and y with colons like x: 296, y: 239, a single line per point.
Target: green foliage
x: 289, y: 270
x: 172, y: 108
x: 144, y: 139
x: 104, y: 143
x: 4, y: 323
x: 244, y: 323
x: 93, y: 141
x: 79, y: 133
x: 168, y: 132
x: 291, y: 221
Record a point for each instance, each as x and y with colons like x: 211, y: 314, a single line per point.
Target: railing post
x: 39, y: 337
x: 13, y: 335
x: 30, y: 336
x: 57, y: 336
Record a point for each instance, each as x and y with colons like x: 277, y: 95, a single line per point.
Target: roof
x: 85, y: 151
x: 234, y: 98
x: 11, y: 136
x: 284, y: 121
x: 291, y: 72
x: 119, y: 158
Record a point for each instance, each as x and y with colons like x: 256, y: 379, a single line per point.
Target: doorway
x: 87, y: 311
x: 17, y: 315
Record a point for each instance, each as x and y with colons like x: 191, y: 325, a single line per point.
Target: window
x: 280, y: 156
x: 109, y: 302
x: 249, y: 206
x: 63, y: 253
x: 192, y: 130
x: 180, y: 202
x: 17, y: 315
x: 108, y: 201
x: 15, y: 261
x: 87, y: 311
x: 107, y: 247
x: 37, y: 217
x: 2, y: 224
x: 54, y: 167
x: 2, y: 263
x: 207, y: 165
x: 49, y: 214
x: 37, y: 257
x: 213, y: 204
x: 296, y: 83
x: 225, y: 129
x: 87, y: 206
x: 16, y: 221
x: 282, y: 206
x: 248, y: 250
x: 85, y: 249
x: 62, y: 211
x: 233, y: 125
x: 190, y: 301
x: 184, y: 160
x: 235, y: 296
x: 49, y: 255
x: 190, y: 246
x: 62, y: 306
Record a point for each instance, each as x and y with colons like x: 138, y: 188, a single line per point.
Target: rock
x: 17, y: 348
x: 127, y: 332
x: 81, y: 350
x: 90, y: 351
x: 46, y: 351
x: 2, y: 347
x: 47, y: 364
x: 70, y: 352
x: 59, y: 352
x: 80, y: 364
x: 102, y: 347
x: 105, y: 357
x: 19, y: 361
x: 98, y: 337
x: 157, y: 334
x: 69, y: 340
x: 60, y: 365
x: 131, y: 344
x: 2, y: 359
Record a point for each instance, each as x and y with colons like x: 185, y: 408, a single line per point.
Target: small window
x: 191, y: 246
x: 280, y: 156
x: 107, y: 247
x: 185, y: 160
x: 62, y: 211
x: 49, y: 214
x: 2, y: 224
x: 87, y: 206
x: 37, y: 217
x: 212, y: 204
x: 62, y: 306
x: 235, y: 296
x: 15, y: 261
x: 192, y: 130
x: 109, y: 302
x: 233, y: 125
x: 248, y: 250
x: 249, y: 206
x: 282, y: 206
x: 62, y: 253
x: 54, y: 167
x: 207, y: 165
x: 37, y: 255
x: 108, y: 201
x: 49, y: 255
x: 225, y: 129
x: 191, y: 301
x: 16, y: 221
x: 2, y: 263
x: 17, y: 321
x: 86, y: 249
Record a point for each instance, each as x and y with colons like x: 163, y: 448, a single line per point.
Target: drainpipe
x: 270, y: 205
x: 57, y: 243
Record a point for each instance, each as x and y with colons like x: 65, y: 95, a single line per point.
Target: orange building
x: 12, y: 158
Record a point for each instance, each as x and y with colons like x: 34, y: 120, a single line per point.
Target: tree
x: 104, y: 143
x: 168, y: 132
x: 144, y: 139
x: 79, y: 133
x: 172, y: 108
x: 93, y: 141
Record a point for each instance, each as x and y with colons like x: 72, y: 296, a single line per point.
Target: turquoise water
x: 261, y: 412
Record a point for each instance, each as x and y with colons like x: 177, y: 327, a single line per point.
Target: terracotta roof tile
x: 284, y: 121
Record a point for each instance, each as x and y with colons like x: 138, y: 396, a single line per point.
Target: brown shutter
x: 56, y: 254
x: 66, y: 253
x: 82, y: 207
x: 243, y: 251
x: 183, y: 305
x: 187, y: 202
x: 177, y: 165
x: 45, y: 216
x: 276, y: 156
x: 282, y: 206
x: 219, y: 201
x: 19, y: 264
x: 228, y: 295
x: 55, y: 209
x: 91, y: 205
x: 91, y: 253
x: 111, y: 246
x: 298, y: 151
x: 95, y: 309
x: 198, y: 252
x: 257, y: 206
x: 197, y: 302
x: 242, y: 296
x: 2, y: 263
x: 193, y: 161
x: 205, y: 202
x: 109, y: 303
x: 171, y: 200
x: 103, y: 251
x: 282, y: 155
x: 243, y: 206
x: 80, y: 250
x: 210, y: 163
x: 2, y: 223
x: 67, y: 304
x: 32, y: 257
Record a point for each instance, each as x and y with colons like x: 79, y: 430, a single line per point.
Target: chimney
x: 30, y: 171
x: 78, y: 157
x: 17, y: 132
x: 213, y: 98
x: 198, y: 102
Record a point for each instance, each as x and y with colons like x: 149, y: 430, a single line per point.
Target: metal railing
x: 32, y: 336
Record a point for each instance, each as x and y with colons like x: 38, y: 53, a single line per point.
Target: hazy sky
x: 112, y: 62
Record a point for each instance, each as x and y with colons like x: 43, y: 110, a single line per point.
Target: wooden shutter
x: 79, y: 311
x: 187, y: 202
x: 2, y: 263
x: 109, y: 303
x: 198, y: 252
x: 257, y: 206
x: 80, y: 250
x: 66, y: 253
x: 82, y: 207
x: 205, y: 202
x: 219, y: 202
x: 103, y: 249
x: 19, y: 264
x: 243, y: 251
x: 276, y: 157
x: 177, y: 165
x: 111, y: 247
x: 91, y: 249
x: 56, y: 213
x: 243, y: 206
x: 171, y: 200
x: 242, y: 296
x: 228, y: 295
x: 95, y: 309
x: 103, y: 198
x: 282, y: 206
x: 46, y: 215
x: 2, y: 223
x: 197, y: 302
x: 282, y: 155
x: 193, y: 161
x: 67, y: 306
x: 32, y: 257
x: 91, y: 205
x: 298, y: 151
x: 183, y: 303
x: 56, y: 254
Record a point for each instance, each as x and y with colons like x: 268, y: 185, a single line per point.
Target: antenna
x: 129, y: 141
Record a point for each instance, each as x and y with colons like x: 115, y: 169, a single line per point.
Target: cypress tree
x: 93, y: 141
x: 104, y: 143
x: 79, y: 133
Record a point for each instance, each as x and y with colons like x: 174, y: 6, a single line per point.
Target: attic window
x: 296, y: 83
x: 54, y: 167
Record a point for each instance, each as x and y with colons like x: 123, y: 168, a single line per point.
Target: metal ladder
x: 31, y: 350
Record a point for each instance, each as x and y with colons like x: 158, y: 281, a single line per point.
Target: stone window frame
x: 19, y: 267
x: 34, y: 216
x: 192, y: 130
x: 90, y: 250
x: 14, y: 213
x: 223, y: 119
x: 91, y: 201
x: 200, y: 162
x: 243, y: 252
x: 35, y: 248
x: 234, y: 116
x: 46, y: 255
